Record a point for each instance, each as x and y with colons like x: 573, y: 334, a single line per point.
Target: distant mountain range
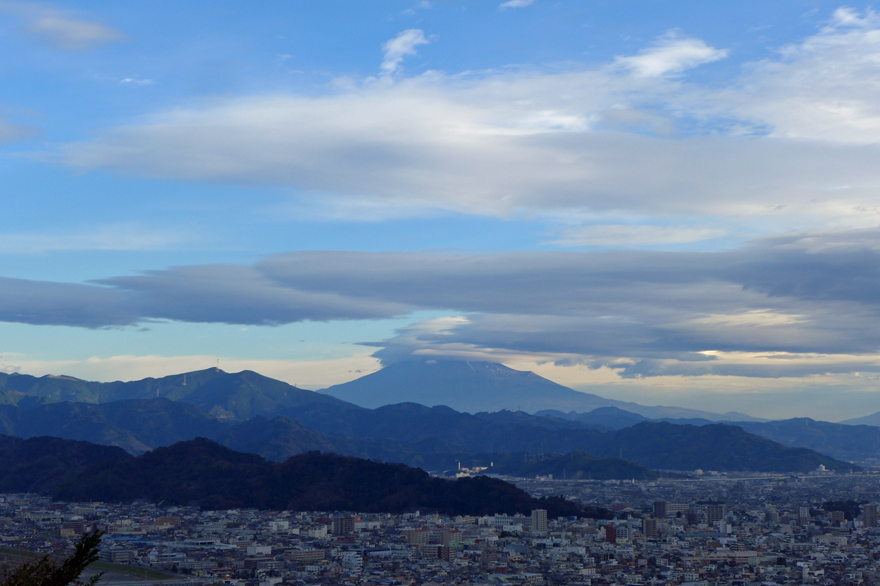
x: 230, y: 396
x: 844, y: 441
x: 211, y: 476
x: 472, y: 387
x: 872, y: 419
x: 434, y: 438
x: 248, y: 412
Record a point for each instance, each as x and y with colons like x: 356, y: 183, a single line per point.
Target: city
x: 709, y: 528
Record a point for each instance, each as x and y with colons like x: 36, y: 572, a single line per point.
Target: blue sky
x: 667, y: 202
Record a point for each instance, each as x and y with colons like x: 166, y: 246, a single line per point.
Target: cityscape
x: 819, y: 528
x: 439, y: 292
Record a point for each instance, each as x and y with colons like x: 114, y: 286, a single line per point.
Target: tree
x: 46, y: 572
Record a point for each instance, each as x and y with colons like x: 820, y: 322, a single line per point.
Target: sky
x: 674, y: 203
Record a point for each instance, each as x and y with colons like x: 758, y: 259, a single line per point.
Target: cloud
x: 791, y: 138
x: 797, y: 305
x: 114, y: 237
x: 13, y: 132
x: 136, y: 81
x: 626, y: 235
x: 399, y: 47
x: 670, y: 55
x: 514, y: 4
x: 61, y: 28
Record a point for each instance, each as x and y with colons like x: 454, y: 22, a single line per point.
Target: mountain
x: 842, y: 441
x: 214, y: 477
x: 233, y: 396
x: 136, y: 425
x: 610, y: 417
x: 484, y: 386
x: 872, y: 419
x: 43, y: 464
x: 723, y: 447
x: 433, y: 438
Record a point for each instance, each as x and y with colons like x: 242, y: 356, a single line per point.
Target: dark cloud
x: 64, y: 304
x: 644, y: 313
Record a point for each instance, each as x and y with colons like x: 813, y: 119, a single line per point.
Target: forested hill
x: 206, y: 474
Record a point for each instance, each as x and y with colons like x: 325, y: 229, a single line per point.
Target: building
x: 869, y: 515
x: 539, y: 521
x: 659, y: 509
x: 611, y: 533
x: 416, y: 536
x: 343, y: 525
x: 649, y: 528
x: 450, y: 537
x: 304, y: 555
x: 715, y: 513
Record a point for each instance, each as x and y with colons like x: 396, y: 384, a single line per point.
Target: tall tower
x: 539, y: 521
x: 869, y: 515
x: 649, y: 528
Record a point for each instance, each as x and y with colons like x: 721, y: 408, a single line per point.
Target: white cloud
x: 514, y: 4
x: 62, y: 28
x: 136, y: 81
x: 75, y: 35
x: 791, y: 139
x: 399, y: 47
x: 671, y: 54
x: 622, y: 235
x: 826, y: 88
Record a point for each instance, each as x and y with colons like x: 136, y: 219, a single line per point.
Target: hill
x: 846, y: 442
x: 43, y: 464
x: 214, y: 477
x: 233, y: 396
x: 841, y: 441
x: 472, y: 387
x: 610, y: 417
x: 433, y: 438
x: 872, y: 419
x: 718, y: 446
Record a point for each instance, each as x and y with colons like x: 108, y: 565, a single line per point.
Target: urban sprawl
x: 818, y: 528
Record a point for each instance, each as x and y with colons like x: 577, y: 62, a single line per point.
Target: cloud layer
x: 786, y: 306
x: 791, y: 137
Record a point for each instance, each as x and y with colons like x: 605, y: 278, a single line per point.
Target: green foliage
x: 46, y: 572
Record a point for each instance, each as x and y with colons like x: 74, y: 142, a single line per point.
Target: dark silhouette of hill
x: 42, y: 464
x: 205, y: 473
